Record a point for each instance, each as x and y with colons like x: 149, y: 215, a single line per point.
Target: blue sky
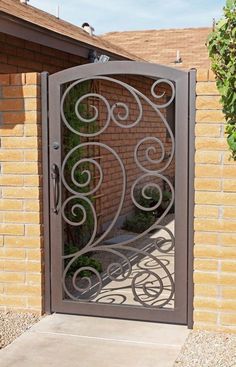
x: 120, y: 15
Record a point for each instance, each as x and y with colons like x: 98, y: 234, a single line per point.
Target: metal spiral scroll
x: 146, y: 284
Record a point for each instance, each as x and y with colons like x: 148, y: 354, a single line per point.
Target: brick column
x: 215, y: 214
x: 20, y: 195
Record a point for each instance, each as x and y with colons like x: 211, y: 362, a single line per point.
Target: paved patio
x: 66, y: 340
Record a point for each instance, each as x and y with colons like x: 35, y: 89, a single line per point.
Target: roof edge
x: 28, y: 31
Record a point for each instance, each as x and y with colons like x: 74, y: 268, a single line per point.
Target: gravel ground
x: 207, y: 349
x: 13, y: 325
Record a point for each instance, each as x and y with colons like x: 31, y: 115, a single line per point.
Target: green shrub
x: 80, y: 262
x: 222, y: 51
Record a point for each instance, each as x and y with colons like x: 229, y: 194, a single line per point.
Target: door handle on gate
x: 55, y: 187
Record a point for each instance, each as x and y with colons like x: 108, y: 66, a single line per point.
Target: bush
x: 222, y: 51
x: 81, y: 262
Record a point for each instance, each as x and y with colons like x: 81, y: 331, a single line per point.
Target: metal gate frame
x: 182, y: 79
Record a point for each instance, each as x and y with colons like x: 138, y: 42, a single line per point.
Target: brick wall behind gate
x: 215, y: 214
x: 21, y: 261
x: 124, y: 140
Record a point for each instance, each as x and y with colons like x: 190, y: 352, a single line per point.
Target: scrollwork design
x: 147, y: 285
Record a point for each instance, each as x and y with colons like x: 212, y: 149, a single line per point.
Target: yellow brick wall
x: 20, y: 193
x: 215, y: 214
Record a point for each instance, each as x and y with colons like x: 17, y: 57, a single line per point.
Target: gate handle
x: 55, y: 186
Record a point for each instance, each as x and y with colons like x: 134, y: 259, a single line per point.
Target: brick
x: 34, y: 254
x: 21, y: 193
x: 214, y: 198
x: 20, y: 168
x: 23, y: 143
x: 32, y: 205
x: 208, y: 103
x: 206, y: 211
x: 15, y: 265
x: 11, y: 229
x: 229, y: 172
x: 17, y: 79
x: 15, y: 130
x: 32, y: 104
x: 229, y: 212
x: 227, y: 279
x: 207, y: 303
x: 208, y: 116
x: 23, y: 289
x: 229, y: 185
x: 209, y: 88
x: 205, y: 278
x: 33, y: 278
x: 205, y: 265
x: 12, y: 277
x: 32, y: 78
x: 213, y: 144
x: 34, y: 302
x: 229, y: 292
x: 24, y: 117
x: 219, y: 225
x: 20, y: 91
x: 228, y: 319
x: 14, y: 301
x: 202, y: 75
x: 33, y: 267
x: 212, y: 76
x: 205, y: 316
x: 205, y: 238
x: 205, y: 290
x: 32, y: 130
x: 228, y: 239
x: 4, y: 79
x: 32, y: 181
x: 11, y: 104
x: 228, y: 266
x: 10, y: 204
x: 22, y: 242
x: 8, y: 253
x: 11, y: 155
x: 33, y: 230
x: 207, y: 184
x: 32, y: 155
x: 21, y: 217
x: 10, y: 180
x: 207, y: 170
x: 208, y: 157
x: 208, y: 130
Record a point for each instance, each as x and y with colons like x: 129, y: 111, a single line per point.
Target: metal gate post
x: 191, y: 154
x: 46, y: 205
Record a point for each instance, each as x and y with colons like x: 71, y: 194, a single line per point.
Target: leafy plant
x: 142, y: 220
x: 77, y: 235
x: 139, y: 222
x: 222, y: 51
x: 82, y: 261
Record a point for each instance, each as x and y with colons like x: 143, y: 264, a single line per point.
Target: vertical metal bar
x: 55, y: 154
x: 181, y: 198
x: 191, y: 154
x: 46, y: 205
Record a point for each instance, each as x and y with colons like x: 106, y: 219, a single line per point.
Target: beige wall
x: 21, y: 262
x: 20, y: 193
x: 215, y: 214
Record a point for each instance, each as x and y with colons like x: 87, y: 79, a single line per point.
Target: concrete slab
x: 67, y: 340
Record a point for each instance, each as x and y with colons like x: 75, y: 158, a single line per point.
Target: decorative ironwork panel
x: 104, y: 259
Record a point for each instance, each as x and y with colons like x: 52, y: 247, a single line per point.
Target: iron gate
x: 118, y: 191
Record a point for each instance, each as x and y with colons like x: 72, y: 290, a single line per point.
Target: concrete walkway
x: 71, y: 341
